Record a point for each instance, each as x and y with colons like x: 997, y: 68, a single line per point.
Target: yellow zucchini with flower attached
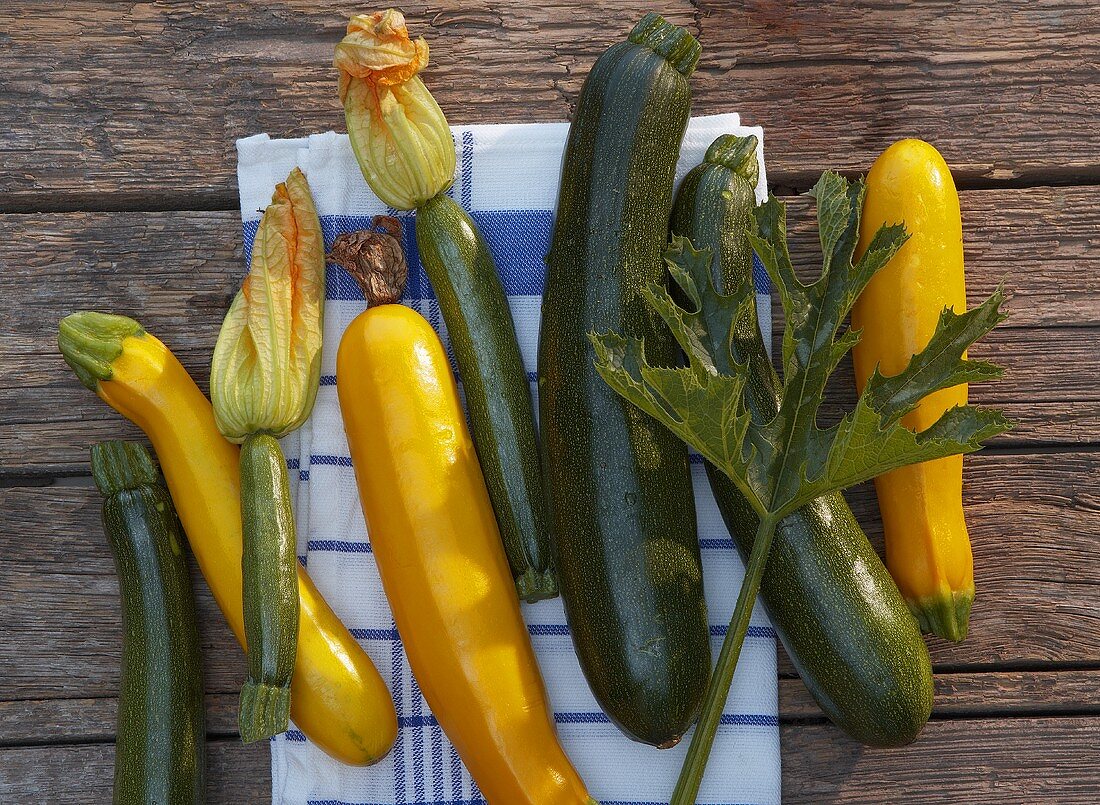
x: 927, y: 546
x: 340, y: 702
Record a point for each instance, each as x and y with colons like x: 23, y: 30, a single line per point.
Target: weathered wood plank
x: 48, y: 420
x: 989, y: 693
x: 1020, y: 760
x: 887, y: 31
x: 144, y: 100
x: 1034, y: 541
x: 1014, y: 760
x: 29, y: 722
x: 177, y: 272
x: 846, y: 81
x: 183, y: 265
x: 236, y: 773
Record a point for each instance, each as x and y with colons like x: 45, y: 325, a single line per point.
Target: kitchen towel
x: 507, y: 178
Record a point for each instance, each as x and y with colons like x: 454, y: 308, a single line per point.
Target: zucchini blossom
x: 398, y: 132
x: 267, y: 362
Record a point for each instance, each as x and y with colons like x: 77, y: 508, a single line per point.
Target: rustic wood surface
x: 118, y: 192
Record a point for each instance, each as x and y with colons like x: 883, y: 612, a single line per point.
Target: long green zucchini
x: 838, y: 613
x: 160, y: 750
x: 622, y: 513
x: 462, y: 273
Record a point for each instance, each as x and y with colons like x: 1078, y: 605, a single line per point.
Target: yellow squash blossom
x: 267, y: 361
x: 397, y: 130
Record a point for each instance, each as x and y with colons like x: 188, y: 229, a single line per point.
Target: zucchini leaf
x: 783, y: 464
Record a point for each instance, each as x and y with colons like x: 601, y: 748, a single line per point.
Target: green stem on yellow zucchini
x: 270, y: 577
x: 695, y: 764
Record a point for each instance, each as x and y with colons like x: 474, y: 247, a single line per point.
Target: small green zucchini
x: 622, y: 512
x: 838, y: 613
x: 160, y: 750
x: 269, y: 564
x: 479, y: 322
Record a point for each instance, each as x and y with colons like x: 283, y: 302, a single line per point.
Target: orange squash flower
x: 397, y: 130
x: 267, y: 362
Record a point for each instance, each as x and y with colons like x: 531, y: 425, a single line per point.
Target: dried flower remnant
x: 375, y: 259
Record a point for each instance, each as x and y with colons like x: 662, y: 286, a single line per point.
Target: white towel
x: 507, y: 178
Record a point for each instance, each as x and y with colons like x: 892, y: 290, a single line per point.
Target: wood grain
x: 144, y: 100
x: 1020, y: 760
x: 177, y: 271
x: 990, y: 693
x: 236, y: 773
x: 1013, y: 760
x: 1038, y: 581
x: 32, y: 722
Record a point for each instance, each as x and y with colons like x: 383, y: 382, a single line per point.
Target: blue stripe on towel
x: 339, y: 546
x: 728, y: 719
x: 331, y: 461
x: 518, y: 240
x: 396, y: 669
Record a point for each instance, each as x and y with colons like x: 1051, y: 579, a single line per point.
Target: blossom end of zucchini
x: 267, y: 360
x: 91, y: 341
x: 264, y: 711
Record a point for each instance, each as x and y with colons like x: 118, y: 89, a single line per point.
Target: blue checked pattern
x: 515, y: 214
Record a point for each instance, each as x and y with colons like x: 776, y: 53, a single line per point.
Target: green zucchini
x: 838, y: 613
x: 479, y: 322
x: 269, y: 567
x: 622, y: 513
x: 160, y: 750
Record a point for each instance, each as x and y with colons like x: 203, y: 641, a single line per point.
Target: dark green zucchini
x: 479, y: 322
x: 161, y: 746
x: 622, y: 513
x: 838, y: 613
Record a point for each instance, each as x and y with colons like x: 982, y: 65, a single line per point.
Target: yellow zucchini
x: 339, y: 700
x: 440, y: 557
x: 927, y: 546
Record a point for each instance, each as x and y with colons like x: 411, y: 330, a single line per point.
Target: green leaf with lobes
x: 779, y: 458
x: 787, y: 461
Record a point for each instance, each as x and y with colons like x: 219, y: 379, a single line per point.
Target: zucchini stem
x: 695, y: 764
x: 270, y: 576
x: 677, y: 46
x: 536, y: 585
x: 90, y: 342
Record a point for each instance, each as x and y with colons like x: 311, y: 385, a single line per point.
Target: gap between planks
x: 971, y: 696
x: 782, y: 184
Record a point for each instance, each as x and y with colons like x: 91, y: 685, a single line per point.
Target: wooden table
x: 117, y: 192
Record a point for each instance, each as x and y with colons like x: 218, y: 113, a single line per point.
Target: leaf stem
x: 695, y: 764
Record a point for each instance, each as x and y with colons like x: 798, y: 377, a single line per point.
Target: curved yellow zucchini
x: 339, y: 700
